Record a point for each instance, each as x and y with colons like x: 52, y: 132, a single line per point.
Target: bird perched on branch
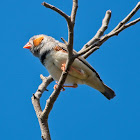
x: 53, y: 56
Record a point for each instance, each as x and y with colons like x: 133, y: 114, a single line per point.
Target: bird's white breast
x: 55, y: 72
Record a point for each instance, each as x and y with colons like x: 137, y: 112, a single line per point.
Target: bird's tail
x: 108, y: 93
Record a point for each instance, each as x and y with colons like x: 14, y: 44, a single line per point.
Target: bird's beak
x: 28, y: 45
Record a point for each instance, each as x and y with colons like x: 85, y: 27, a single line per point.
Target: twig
x: 92, y: 50
x: 128, y: 17
x: 36, y: 104
x: 74, y: 10
x: 66, y: 43
x: 97, y: 42
x: 42, y: 87
x: 100, y: 32
x: 71, y: 29
x: 126, y: 26
x: 47, y: 5
x: 86, y: 52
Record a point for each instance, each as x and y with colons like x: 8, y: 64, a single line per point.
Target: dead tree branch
x: 98, y: 39
x: 87, y: 49
x: 43, y: 122
x: 47, y: 5
x: 128, y: 17
x: 101, y: 31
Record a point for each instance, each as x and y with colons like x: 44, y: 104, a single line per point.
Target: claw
x: 63, y: 67
x: 55, y: 86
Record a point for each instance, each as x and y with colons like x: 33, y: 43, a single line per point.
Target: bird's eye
x: 38, y: 40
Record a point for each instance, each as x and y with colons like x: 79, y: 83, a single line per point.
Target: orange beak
x: 28, y: 45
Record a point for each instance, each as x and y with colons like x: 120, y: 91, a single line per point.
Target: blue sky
x: 81, y: 113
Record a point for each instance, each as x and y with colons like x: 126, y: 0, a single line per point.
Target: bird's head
x: 35, y: 44
x: 39, y: 43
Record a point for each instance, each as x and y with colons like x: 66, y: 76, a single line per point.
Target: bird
x: 53, y: 55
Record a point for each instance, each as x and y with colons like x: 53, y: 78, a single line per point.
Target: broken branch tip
x: 108, y: 11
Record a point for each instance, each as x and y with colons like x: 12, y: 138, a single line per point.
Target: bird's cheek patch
x: 38, y: 40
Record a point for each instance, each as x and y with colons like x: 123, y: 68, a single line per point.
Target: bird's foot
x: 63, y: 67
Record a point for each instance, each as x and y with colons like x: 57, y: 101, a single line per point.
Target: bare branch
x: 101, y: 31
x: 88, y: 53
x: 97, y: 42
x: 106, y: 37
x: 105, y: 21
x: 66, y: 43
x: 36, y: 104
x: 127, y: 25
x: 86, y: 50
x: 132, y: 22
x: 47, y: 5
x: 128, y: 17
x: 74, y: 10
x: 44, y: 129
x: 36, y: 97
x: 42, y: 87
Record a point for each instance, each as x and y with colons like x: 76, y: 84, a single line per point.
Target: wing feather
x: 60, y: 58
x: 81, y: 59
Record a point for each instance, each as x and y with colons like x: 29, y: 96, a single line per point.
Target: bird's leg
x: 76, y: 70
x: 73, y: 86
x: 63, y: 89
x: 71, y: 69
